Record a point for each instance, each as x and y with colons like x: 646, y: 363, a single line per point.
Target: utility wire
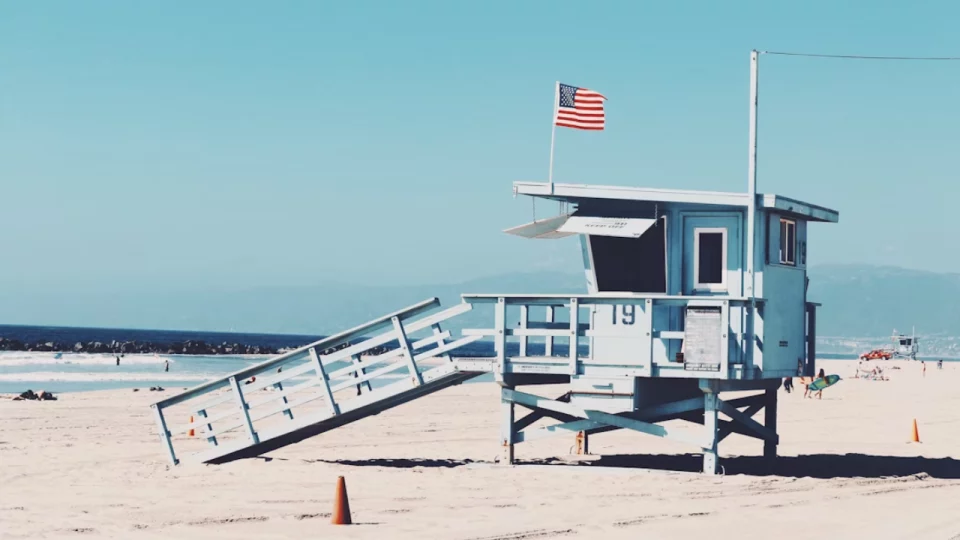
x: 860, y: 57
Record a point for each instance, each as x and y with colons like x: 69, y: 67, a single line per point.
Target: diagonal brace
x: 537, y: 402
x: 536, y: 415
x: 728, y: 428
x: 654, y: 413
x: 764, y: 432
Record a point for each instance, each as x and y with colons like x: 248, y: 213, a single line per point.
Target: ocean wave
x: 56, y: 376
x: 52, y: 358
x: 53, y: 376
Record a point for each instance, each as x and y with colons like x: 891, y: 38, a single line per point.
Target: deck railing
x: 313, y: 382
x: 635, y: 310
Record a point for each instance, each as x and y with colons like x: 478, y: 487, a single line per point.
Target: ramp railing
x: 323, y: 379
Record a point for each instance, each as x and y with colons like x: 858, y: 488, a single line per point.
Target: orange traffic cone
x: 341, y: 506
x: 191, y: 432
x: 916, y: 434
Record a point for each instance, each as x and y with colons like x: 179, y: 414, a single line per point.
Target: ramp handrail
x: 318, y: 371
x: 326, y: 343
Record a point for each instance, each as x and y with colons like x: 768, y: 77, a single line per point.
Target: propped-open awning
x: 566, y: 225
x: 544, y: 229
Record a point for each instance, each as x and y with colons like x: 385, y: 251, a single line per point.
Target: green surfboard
x: 824, y: 382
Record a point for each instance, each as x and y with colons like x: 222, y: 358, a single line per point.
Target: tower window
x: 788, y: 242
x: 710, y: 264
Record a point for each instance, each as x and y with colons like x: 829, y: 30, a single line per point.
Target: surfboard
x: 820, y: 384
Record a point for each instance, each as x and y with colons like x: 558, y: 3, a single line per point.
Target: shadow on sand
x: 813, y: 466
x: 398, y: 463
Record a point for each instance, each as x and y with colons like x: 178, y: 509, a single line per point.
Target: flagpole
x: 751, y: 281
x: 553, y: 132
x: 752, y: 174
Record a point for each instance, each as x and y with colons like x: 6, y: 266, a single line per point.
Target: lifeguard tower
x: 685, y: 302
x: 905, y: 346
x: 675, y: 316
x: 691, y: 295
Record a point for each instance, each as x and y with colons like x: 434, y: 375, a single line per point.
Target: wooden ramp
x: 321, y: 386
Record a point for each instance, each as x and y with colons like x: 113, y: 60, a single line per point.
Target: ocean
x: 71, y: 372
x: 75, y: 372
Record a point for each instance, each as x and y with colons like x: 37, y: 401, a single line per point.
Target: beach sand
x: 90, y: 465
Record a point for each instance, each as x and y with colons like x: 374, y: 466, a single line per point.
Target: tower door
x: 711, y: 254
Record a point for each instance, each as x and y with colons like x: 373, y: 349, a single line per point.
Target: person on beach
x: 788, y: 384
x: 821, y: 375
x: 118, y: 360
x: 940, y: 364
x: 166, y: 365
x: 819, y: 394
x: 802, y: 378
x: 924, y: 364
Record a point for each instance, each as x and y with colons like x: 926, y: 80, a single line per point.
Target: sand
x: 91, y: 466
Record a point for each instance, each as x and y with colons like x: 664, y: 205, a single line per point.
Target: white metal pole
x: 752, y: 174
x: 751, y: 281
x: 553, y: 133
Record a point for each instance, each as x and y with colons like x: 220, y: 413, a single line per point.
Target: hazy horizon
x: 858, y: 300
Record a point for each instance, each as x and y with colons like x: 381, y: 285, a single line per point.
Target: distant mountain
x: 858, y: 301
x: 870, y: 301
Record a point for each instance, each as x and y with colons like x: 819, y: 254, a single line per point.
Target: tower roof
x: 576, y: 193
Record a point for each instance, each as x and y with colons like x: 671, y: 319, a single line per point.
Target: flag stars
x: 567, y: 95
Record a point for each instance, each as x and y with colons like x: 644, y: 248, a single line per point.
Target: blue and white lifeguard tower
x: 682, y: 306
x: 691, y: 294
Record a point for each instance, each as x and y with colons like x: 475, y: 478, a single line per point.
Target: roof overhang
x: 573, y: 192
x: 807, y: 211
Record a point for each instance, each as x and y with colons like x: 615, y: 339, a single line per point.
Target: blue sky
x: 235, y: 144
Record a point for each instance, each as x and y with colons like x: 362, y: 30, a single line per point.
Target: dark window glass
x: 631, y: 264
x: 710, y: 258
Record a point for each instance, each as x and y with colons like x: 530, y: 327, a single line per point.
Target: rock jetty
x: 140, y: 347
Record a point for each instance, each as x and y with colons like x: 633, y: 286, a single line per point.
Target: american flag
x: 579, y: 108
